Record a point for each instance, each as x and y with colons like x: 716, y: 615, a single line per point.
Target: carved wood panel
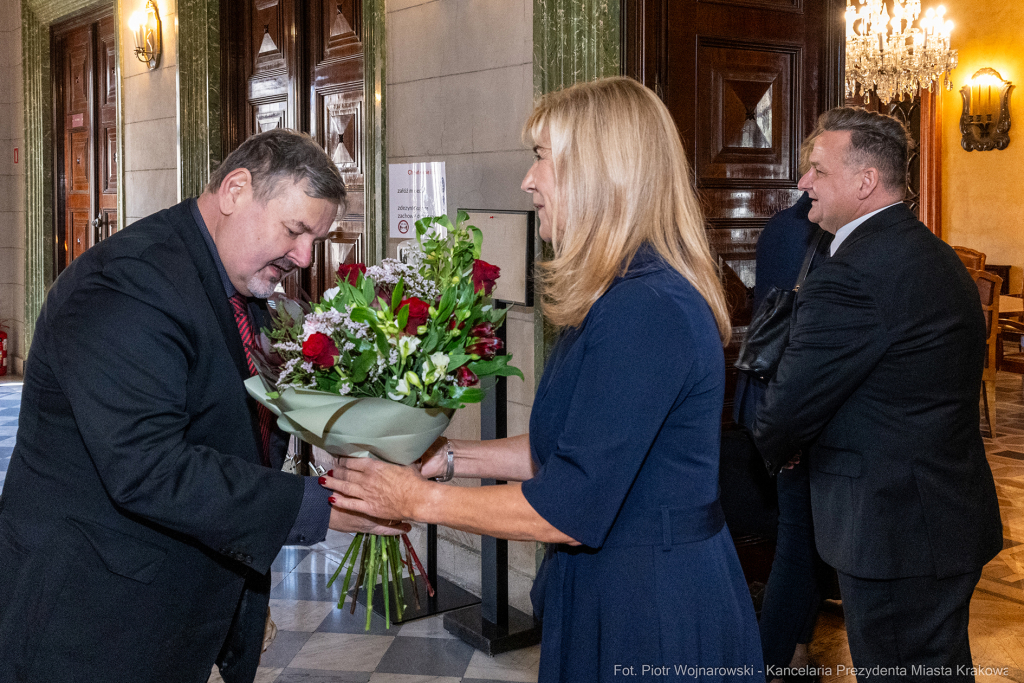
x: 271, y: 66
x: 302, y: 65
x: 84, y: 55
x: 745, y: 81
x: 336, y: 122
x: 79, y: 162
x: 749, y: 103
x: 80, y: 233
x: 109, y: 162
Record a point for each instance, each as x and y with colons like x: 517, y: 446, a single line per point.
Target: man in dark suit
x: 879, y: 388
x: 137, y: 523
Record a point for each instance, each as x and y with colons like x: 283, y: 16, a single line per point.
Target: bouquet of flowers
x: 377, y: 367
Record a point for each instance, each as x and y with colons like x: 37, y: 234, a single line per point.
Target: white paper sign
x: 415, y: 191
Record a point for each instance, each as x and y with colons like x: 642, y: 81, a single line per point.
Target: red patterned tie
x: 249, y: 342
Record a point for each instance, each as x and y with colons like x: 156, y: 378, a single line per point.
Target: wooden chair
x: 971, y: 258
x: 989, y: 285
x: 1010, y: 356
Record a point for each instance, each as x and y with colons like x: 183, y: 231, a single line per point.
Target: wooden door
x: 85, y: 89
x: 299, y: 64
x: 745, y: 81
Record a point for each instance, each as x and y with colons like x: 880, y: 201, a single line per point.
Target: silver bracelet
x: 449, y: 472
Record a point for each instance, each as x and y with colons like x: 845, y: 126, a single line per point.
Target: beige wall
x: 982, y: 192
x: 150, y: 120
x: 460, y: 86
x: 12, y: 185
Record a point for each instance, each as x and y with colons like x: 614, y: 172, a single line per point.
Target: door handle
x: 97, y: 228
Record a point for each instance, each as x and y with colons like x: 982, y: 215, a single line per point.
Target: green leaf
x: 360, y: 314
x: 382, y: 344
x: 478, y: 239
x: 470, y: 395
x: 396, y: 295
x: 498, y: 366
x: 367, y: 290
x: 362, y: 365
x: 430, y: 343
x: 444, y: 309
x: 461, y: 217
x: 456, y: 361
x: 403, y: 317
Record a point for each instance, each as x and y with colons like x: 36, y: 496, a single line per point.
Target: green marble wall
x: 198, y: 92
x: 36, y: 18
x: 35, y: 42
x: 573, y: 41
x: 375, y: 140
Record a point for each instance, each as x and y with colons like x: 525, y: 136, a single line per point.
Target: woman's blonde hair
x: 621, y: 179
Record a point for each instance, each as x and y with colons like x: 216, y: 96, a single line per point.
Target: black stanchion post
x: 493, y: 626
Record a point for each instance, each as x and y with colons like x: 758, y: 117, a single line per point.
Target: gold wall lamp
x: 985, y: 122
x: 145, y: 26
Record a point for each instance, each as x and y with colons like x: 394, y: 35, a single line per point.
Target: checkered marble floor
x: 317, y: 642
x: 10, y: 404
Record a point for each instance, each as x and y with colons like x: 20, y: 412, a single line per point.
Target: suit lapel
x: 192, y: 236
x: 880, y: 222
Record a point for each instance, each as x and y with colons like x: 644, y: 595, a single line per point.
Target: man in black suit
x: 879, y: 388
x: 137, y: 523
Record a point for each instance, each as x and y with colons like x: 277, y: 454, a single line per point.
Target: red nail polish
x: 332, y: 500
x: 322, y: 480
x: 330, y: 473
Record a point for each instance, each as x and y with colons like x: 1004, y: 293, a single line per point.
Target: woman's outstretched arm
x: 392, y: 492
x: 507, y: 459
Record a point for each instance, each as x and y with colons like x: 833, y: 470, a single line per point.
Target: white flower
x: 324, y: 322
x: 434, y: 367
x: 331, y: 293
x: 401, y: 390
x: 407, y: 345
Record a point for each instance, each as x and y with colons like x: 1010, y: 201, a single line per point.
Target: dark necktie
x: 822, y: 254
x: 249, y: 342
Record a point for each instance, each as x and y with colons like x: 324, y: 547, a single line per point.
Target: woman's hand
x: 434, y: 462
x: 374, y: 488
x: 355, y: 523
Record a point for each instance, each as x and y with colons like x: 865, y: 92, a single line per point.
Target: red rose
x: 465, y: 377
x: 418, y: 313
x: 453, y: 322
x: 484, y: 276
x: 350, y: 272
x: 486, y: 347
x: 320, y: 349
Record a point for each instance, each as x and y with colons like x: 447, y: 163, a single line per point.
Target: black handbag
x: 768, y: 332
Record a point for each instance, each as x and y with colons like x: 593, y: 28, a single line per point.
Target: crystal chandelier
x: 885, y: 54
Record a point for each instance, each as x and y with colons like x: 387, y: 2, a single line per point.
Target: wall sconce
x: 985, y: 122
x: 145, y: 26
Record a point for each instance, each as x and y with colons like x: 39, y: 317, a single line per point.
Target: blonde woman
x: 620, y: 469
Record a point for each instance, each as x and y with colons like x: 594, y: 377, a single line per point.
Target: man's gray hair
x: 876, y: 140
x: 281, y: 154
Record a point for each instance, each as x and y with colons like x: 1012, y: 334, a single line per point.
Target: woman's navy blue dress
x: 625, y: 428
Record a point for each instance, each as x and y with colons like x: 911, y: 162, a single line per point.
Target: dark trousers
x: 792, y: 596
x: 916, y: 625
